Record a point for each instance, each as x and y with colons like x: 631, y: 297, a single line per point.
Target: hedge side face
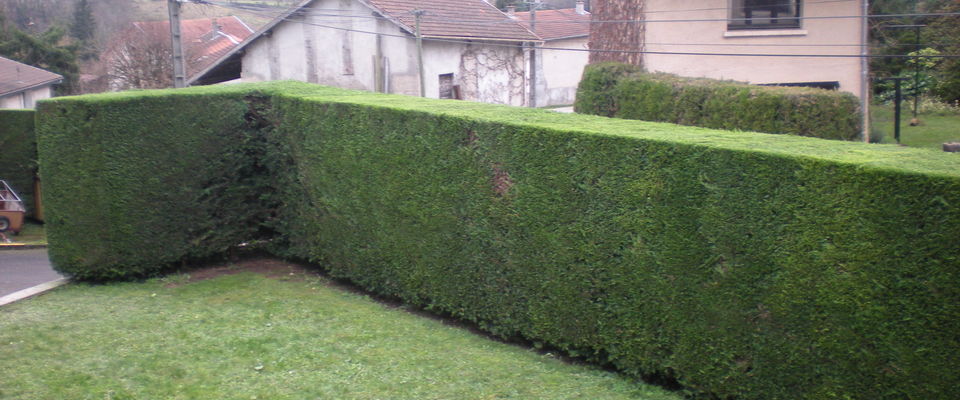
x: 135, y: 185
x: 18, y: 153
x: 622, y: 91
x: 741, y: 264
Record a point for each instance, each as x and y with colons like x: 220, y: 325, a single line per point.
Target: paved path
x: 22, y: 269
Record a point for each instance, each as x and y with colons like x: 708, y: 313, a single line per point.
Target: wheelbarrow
x: 11, y: 209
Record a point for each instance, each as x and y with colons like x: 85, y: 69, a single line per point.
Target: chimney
x: 216, y: 26
x: 580, y: 9
x: 512, y: 12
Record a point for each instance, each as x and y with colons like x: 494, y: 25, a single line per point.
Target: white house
x: 561, y: 59
x: 22, y: 85
x: 795, y: 42
x: 470, y: 50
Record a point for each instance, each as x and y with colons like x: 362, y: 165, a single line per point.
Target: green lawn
x: 933, y: 131
x: 32, y: 234
x: 247, y: 336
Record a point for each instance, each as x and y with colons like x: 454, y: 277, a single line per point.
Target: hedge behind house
x: 741, y: 264
x: 624, y: 91
x: 18, y: 153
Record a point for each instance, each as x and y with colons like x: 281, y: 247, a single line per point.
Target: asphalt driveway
x: 22, y: 269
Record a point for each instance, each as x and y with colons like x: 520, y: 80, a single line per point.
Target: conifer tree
x: 42, y: 51
x: 84, y: 28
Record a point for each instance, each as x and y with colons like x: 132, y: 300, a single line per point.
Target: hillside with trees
x: 69, y: 36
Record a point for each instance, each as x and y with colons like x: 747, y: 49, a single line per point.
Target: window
x: 764, y: 14
x: 828, y: 85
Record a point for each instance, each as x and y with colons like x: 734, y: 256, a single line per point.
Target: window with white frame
x: 764, y: 14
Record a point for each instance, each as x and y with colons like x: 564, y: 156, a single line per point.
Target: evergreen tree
x: 84, y: 26
x: 83, y: 29
x: 42, y: 51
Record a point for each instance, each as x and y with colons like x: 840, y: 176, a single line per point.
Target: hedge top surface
x: 16, y: 110
x: 862, y: 155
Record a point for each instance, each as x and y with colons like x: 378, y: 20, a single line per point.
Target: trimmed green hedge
x: 624, y: 91
x: 139, y: 182
x: 18, y: 153
x: 741, y: 264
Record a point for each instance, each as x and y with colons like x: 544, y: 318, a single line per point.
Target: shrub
x: 595, y: 94
x: 741, y: 264
x: 617, y: 90
x: 18, y: 153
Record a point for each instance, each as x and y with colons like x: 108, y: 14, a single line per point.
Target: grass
x: 31, y: 234
x: 934, y: 130
x: 246, y: 336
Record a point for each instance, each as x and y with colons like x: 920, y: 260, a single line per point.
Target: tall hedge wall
x: 741, y: 264
x: 624, y: 91
x: 18, y: 153
x: 138, y: 182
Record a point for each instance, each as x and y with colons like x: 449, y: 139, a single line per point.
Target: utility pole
x: 534, y: 5
x: 179, y: 76
x: 419, y: 14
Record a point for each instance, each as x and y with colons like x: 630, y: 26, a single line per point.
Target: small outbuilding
x: 470, y: 51
x: 21, y: 85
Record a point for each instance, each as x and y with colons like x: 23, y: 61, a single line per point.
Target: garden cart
x: 11, y: 209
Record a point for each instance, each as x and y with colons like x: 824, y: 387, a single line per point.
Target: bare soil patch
x: 268, y: 267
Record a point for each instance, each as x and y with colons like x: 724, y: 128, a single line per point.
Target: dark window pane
x: 764, y: 14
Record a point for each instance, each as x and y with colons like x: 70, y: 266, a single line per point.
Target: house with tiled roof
x: 561, y: 59
x: 470, y: 50
x: 139, y: 56
x: 22, y: 85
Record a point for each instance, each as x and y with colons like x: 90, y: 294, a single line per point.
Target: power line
x: 740, y: 8
x: 640, y: 21
x: 467, y: 41
x: 338, y: 17
x: 264, y: 6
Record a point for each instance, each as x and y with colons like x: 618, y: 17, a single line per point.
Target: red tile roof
x: 558, y: 24
x: 17, y: 77
x: 460, y: 19
x: 204, y: 40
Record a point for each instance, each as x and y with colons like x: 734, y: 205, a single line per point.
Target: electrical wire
x: 338, y: 17
x: 468, y: 41
x: 641, y: 21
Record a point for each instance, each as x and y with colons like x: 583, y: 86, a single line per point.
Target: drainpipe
x: 419, y: 14
x: 865, y: 69
x: 533, y: 55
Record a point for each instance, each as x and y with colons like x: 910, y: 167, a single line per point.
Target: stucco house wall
x: 814, y: 36
x: 562, y: 70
